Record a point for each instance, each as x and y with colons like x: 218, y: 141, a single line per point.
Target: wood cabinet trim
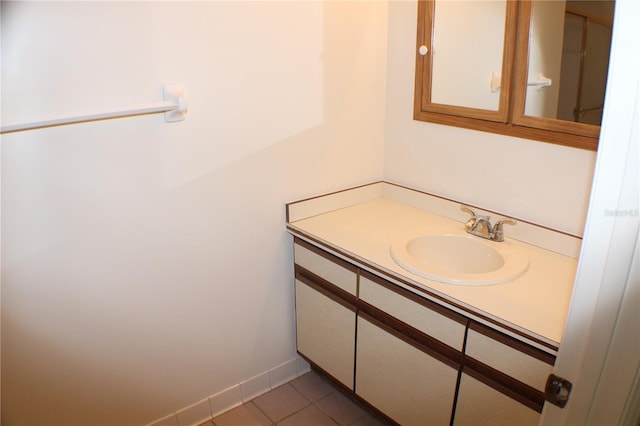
x: 432, y: 295
x: 415, y: 298
x: 324, y: 287
x: 341, y: 262
x: 504, y: 384
x: 509, y: 129
x: 411, y: 336
x: 513, y: 343
x: 325, y: 374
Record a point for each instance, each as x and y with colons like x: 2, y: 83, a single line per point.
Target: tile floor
x: 308, y: 400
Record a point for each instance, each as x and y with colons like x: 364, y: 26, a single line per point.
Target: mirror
x: 453, y: 82
x: 451, y: 36
x: 578, y: 65
x: 532, y: 69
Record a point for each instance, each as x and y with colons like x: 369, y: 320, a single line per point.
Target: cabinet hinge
x: 557, y: 390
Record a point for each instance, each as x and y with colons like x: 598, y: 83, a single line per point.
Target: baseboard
x: 227, y: 399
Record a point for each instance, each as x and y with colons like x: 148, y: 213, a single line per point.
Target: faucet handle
x: 498, y: 231
x: 467, y: 209
x: 472, y: 221
x: 506, y: 221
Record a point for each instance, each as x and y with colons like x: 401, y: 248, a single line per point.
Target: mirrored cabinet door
x: 464, y: 58
x: 534, y: 69
x: 568, y: 45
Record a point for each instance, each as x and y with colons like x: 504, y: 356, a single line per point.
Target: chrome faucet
x: 481, y: 225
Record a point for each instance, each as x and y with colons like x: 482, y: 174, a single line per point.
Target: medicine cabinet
x: 530, y: 69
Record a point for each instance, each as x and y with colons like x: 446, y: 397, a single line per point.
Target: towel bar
x: 174, y: 106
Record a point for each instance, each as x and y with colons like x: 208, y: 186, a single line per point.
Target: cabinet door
x: 409, y: 385
x: 515, y: 359
x: 479, y: 404
x: 325, y: 331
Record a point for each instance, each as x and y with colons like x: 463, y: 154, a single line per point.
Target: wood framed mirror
x: 548, y: 61
x: 576, y: 67
x: 449, y: 84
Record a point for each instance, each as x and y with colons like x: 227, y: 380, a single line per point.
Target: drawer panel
x: 510, y: 358
x: 435, y: 324
x: 326, y: 266
x: 479, y: 404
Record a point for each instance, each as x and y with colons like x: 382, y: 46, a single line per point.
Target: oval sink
x: 461, y: 260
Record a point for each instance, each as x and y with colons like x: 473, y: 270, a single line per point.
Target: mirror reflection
x: 568, y: 59
x: 462, y: 65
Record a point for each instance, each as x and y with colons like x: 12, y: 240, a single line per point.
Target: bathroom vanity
x: 418, y: 349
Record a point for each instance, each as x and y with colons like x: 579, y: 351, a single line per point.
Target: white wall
x: 543, y: 183
x: 145, y: 265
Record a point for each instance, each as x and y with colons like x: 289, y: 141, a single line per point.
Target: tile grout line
x: 296, y: 412
x: 309, y: 402
x: 262, y: 411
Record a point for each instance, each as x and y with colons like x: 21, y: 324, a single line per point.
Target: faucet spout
x: 481, y: 226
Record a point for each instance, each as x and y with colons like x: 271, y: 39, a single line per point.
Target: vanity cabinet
x: 414, y: 360
x: 326, y: 312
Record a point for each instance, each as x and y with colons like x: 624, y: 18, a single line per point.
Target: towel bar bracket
x: 175, y: 93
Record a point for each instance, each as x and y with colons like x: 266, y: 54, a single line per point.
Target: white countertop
x: 535, y: 304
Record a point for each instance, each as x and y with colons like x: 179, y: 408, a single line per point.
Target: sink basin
x: 458, y: 259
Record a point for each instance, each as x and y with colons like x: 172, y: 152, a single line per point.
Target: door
x: 604, y: 280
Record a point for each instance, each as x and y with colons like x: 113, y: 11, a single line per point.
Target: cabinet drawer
x: 417, y: 312
x: 326, y: 266
x: 516, y: 359
x: 479, y: 404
